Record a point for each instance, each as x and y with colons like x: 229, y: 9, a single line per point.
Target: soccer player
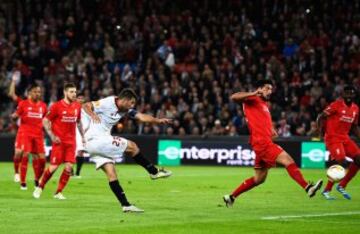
x: 31, y: 112
x: 261, y: 133
x: 98, y: 121
x: 18, y: 140
x: 80, y: 150
x: 340, y: 117
x: 60, y: 123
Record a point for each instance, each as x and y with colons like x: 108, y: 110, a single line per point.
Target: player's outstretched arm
x: 241, y: 96
x: 47, y: 127
x: 320, y: 123
x: 12, y: 93
x: 89, y: 109
x: 145, y: 118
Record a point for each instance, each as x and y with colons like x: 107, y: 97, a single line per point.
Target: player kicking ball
x: 261, y: 133
x: 341, y: 116
x: 100, y: 117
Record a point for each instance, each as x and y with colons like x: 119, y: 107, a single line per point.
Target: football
x: 336, y: 173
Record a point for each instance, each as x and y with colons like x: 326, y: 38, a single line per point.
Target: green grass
x: 188, y: 202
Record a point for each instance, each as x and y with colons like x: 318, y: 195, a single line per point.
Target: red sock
x: 23, y: 168
x: 35, y: 164
x: 295, y: 173
x: 353, y: 169
x: 245, y: 186
x: 42, y: 164
x: 329, y: 186
x: 46, y: 177
x: 64, y: 178
x: 17, y: 161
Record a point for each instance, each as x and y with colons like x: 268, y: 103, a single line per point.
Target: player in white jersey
x: 101, y: 116
x: 80, y: 150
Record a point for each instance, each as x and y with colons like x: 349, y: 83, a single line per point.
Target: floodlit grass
x: 188, y: 202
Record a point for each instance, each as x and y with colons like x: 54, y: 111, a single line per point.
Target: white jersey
x: 109, y: 116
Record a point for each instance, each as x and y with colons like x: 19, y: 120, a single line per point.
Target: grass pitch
x: 188, y: 202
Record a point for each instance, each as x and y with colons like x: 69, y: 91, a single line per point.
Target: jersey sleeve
x: 20, y: 109
x: 52, y: 113
x: 250, y: 100
x: 103, y: 104
x: 331, y: 109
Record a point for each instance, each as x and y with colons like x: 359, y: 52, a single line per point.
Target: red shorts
x: 338, y: 150
x: 266, y: 155
x: 33, y: 145
x: 62, y: 152
x: 19, y: 142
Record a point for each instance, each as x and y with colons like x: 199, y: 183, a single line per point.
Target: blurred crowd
x: 184, y: 60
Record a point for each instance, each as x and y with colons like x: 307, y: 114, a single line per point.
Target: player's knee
x: 132, y: 149
x: 259, y: 180
x: 18, y: 152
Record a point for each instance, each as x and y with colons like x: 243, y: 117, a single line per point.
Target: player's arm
x: 356, y: 130
x: 320, y: 123
x: 274, y: 133
x: 47, y: 127
x: 11, y: 92
x: 242, y: 96
x: 145, y: 118
x: 81, y: 131
x: 88, y: 107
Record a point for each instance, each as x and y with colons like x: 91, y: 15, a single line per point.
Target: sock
x: 35, y: 164
x: 46, y: 177
x: 64, y: 178
x: 119, y: 192
x: 329, y: 186
x: 141, y: 160
x: 353, y: 169
x: 295, y: 173
x: 79, y: 163
x: 42, y: 164
x: 23, y: 169
x: 17, y: 161
x: 245, y: 186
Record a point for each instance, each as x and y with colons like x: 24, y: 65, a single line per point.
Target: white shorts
x: 105, y: 149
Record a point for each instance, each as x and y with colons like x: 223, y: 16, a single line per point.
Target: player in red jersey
x: 261, y: 133
x: 341, y: 116
x: 60, y: 123
x: 31, y: 112
x: 18, y: 151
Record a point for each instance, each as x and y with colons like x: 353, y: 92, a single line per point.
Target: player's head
x: 266, y: 87
x: 70, y: 92
x: 34, y: 92
x: 126, y: 99
x: 349, y: 94
x: 80, y: 98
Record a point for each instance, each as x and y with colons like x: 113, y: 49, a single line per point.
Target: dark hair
x: 128, y: 94
x: 33, y: 86
x: 349, y: 88
x: 261, y: 83
x: 69, y: 86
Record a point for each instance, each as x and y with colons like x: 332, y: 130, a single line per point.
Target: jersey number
x: 116, y: 141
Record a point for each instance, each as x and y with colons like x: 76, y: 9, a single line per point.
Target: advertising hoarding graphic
x: 169, y: 152
x: 313, y: 155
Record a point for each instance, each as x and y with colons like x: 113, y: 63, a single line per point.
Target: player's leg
x: 284, y: 159
x: 64, y: 179
x: 17, y: 160
x: 23, y: 170
x: 56, y: 159
x: 133, y: 150
x: 257, y: 179
x: 337, y: 153
x: 109, y: 170
x: 35, y: 164
x: 353, y: 151
x: 39, y: 160
x: 79, y: 162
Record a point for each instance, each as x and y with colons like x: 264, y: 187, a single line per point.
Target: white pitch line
x: 310, y: 215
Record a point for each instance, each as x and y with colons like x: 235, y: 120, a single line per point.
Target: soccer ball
x: 335, y: 173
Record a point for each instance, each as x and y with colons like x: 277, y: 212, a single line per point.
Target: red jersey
x: 259, y: 120
x: 63, y: 117
x: 31, y: 115
x: 339, y: 120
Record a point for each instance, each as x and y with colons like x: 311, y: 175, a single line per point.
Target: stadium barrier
x: 221, y: 151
